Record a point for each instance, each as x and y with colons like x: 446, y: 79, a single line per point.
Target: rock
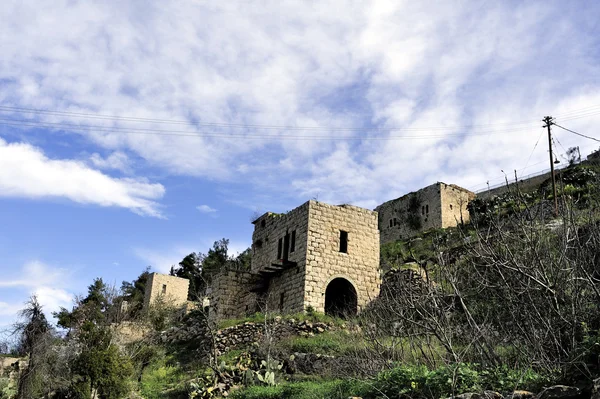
x: 491, y: 395
x: 519, y: 394
x: 595, y: 389
x: 477, y: 395
x: 559, y: 392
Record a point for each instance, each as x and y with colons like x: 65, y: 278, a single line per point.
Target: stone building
x: 171, y: 289
x: 439, y: 205
x: 318, y: 256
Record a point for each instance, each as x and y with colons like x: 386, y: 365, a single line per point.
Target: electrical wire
x: 249, y: 126
x: 574, y: 132
x: 570, y: 115
x: 532, y: 151
x: 184, y: 133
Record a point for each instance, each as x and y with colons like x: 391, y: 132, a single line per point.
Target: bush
x: 419, y: 382
x: 7, y: 388
x: 505, y: 379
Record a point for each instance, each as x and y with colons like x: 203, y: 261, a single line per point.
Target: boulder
x: 520, y: 394
x: 559, y: 392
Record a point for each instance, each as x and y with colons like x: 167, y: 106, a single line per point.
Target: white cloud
x: 407, y: 64
x: 116, y: 161
x: 50, y: 284
x: 26, y: 172
x: 206, y: 209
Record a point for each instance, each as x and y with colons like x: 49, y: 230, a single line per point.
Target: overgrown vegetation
x: 508, y: 302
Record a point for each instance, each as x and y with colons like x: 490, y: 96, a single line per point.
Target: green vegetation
x: 341, y: 389
x: 508, y: 302
x: 200, y: 268
x: 329, y: 343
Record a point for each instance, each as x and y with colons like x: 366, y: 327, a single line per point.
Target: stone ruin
x: 439, y: 205
x: 168, y: 289
x: 317, y: 256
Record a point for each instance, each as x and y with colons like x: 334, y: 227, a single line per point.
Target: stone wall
x: 231, y: 295
x: 171, y: 289
x: 359, y: 264
x: 439, y: 205
x: 454, y: 201
x: 243, y: 335
x: 6, y: 364
x: 295, y: 257
x: 285, y: 291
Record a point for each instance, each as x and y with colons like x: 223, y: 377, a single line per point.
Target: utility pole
x: 548, y: 122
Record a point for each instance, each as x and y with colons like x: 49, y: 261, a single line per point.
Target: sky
x: 133, y: 133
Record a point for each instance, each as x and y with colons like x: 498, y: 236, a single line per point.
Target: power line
x: 570, y: 115
x: 532, y: 151
x: 184, y: 133
x: 574, y: 132
x: 247, y: 126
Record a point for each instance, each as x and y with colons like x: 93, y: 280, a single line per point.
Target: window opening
x: 395, y: 222
x: 344, y: 241
x: 164, y: 289
x: 281, y: 300
x: 263, y: 223
x: 286, y: 246
x: 423, y: 210
x: 450, y: 206
x: 293, y: 242
x: 427, y: 208
x: 390, y: 222
x: 279, y: 248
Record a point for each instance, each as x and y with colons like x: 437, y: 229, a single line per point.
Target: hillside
x: 506, y: 305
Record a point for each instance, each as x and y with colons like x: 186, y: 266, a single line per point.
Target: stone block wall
x: 439, y: 205
x: 410, y: 214
x: 454, y: 201
x: 173, y: 290
x: 231, y: 297
x: 285, y: 291
x: 324, y: 261
x: 311, y: 233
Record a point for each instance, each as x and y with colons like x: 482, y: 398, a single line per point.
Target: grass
x: 328, y: 343
x: 159, y: 380
x: 335, y: 389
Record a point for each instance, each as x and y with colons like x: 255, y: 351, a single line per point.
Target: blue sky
x: 168, y: 125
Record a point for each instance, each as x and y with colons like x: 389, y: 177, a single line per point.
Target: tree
x: 35, y: 336
x: 94, y: 307
x: 134, y: 293
x: 200, y: 268
x: 191, y: 268
x: 100, y: 366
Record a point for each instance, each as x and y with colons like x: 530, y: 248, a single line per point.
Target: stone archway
x: 341, y: 299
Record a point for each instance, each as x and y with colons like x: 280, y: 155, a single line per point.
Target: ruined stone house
x: 439, y: 205
x: 318, y: 256
x: 169, y: 289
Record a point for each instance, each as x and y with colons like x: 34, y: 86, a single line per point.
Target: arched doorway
x: 340, y: 298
